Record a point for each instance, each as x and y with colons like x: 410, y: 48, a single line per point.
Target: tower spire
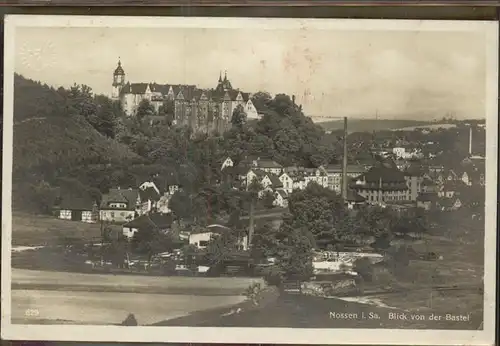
x: 220, y: 76
x: 225, y: 75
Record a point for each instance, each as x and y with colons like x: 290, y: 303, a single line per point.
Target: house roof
x: 128, y: 196
x: 149, y: 194
x: 70, y: 202
x: 213, y: 228
x: 353, y: 196
x: 427, y: 182
x: 350, y: 168
x: 427, y: 197
x: 275, y: 180
x: 156, y: 220
x: 268, y: 164
x: 164, y: 181
x: 282, y: 193
x: 258, y: 172
x: 384, y: 174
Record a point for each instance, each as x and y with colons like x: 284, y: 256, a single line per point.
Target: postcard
x: 249, y: 180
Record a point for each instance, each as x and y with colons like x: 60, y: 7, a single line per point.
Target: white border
x: 254, y: 335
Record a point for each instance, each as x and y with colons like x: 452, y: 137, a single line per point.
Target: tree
x: 221, y: 247
x: 294, y: 251
x: 239, y: 117
x: 167, y: 110
x: 261, y: 99
x: 81, y: 102
x: 252, y: 195
x: 145, y: 109
x: 264, y: 242
x: 152, y: 241
x: 181, y: 205
x: 268, y: 199
x: 319, y: 209
x: 44, y: 197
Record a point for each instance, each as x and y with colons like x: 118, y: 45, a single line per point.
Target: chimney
x: 470, y: 141
x: 293, y: 99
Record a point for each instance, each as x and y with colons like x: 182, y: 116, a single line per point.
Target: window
x: 203, y: 243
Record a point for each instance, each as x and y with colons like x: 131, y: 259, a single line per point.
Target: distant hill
x: 364, y: 125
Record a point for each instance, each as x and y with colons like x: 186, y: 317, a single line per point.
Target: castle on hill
x: 204, y: 110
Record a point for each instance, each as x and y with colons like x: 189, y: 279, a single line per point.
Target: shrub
x: 273, y: 276
x: 364, y: 267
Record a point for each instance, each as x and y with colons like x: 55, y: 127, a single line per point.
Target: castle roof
x: 119, y: 70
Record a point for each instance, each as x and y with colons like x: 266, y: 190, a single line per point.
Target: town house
x: 82, y: 209
x: 120, y: 205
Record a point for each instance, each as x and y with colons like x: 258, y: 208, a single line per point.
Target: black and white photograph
x: 256, y: 180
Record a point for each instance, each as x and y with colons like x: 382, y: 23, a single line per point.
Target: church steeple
x: 220, y: 76
x: 225, y: 76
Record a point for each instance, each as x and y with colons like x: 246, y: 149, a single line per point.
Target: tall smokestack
x: 344, y: 163
x: 470, y: 141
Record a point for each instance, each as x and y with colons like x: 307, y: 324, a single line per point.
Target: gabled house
x: 149, y: 184
x: 287, y: 182
x: 149, y: 200
x: 82, y: 209
x: 299, y: 183
x: 147, y: 223
x: 466, y: 179
x: 271, y: 180
x: 202, y: 237
x: 228, y: 162
x: 280, y: 198
x: 120, y: 205
x: 254, y: 173
x: 451, y: 175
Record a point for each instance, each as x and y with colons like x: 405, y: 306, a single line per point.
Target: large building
x: 382, y: 184
x: 204, y: 110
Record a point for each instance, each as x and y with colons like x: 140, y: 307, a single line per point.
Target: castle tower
x: 118, y: 81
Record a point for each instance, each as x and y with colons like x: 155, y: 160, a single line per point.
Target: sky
x: 418, y: 75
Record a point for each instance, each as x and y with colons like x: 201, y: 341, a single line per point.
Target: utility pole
x: 344, y: 163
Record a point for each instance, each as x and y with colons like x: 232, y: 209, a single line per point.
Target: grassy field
x: 455, y: 282
x: 36, y: 230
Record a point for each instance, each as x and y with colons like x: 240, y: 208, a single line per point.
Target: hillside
x: 62, y: 142
x: 52, y: 142
x: 362, y: 125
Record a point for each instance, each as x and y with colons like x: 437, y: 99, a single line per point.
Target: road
x: 56, y: 297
